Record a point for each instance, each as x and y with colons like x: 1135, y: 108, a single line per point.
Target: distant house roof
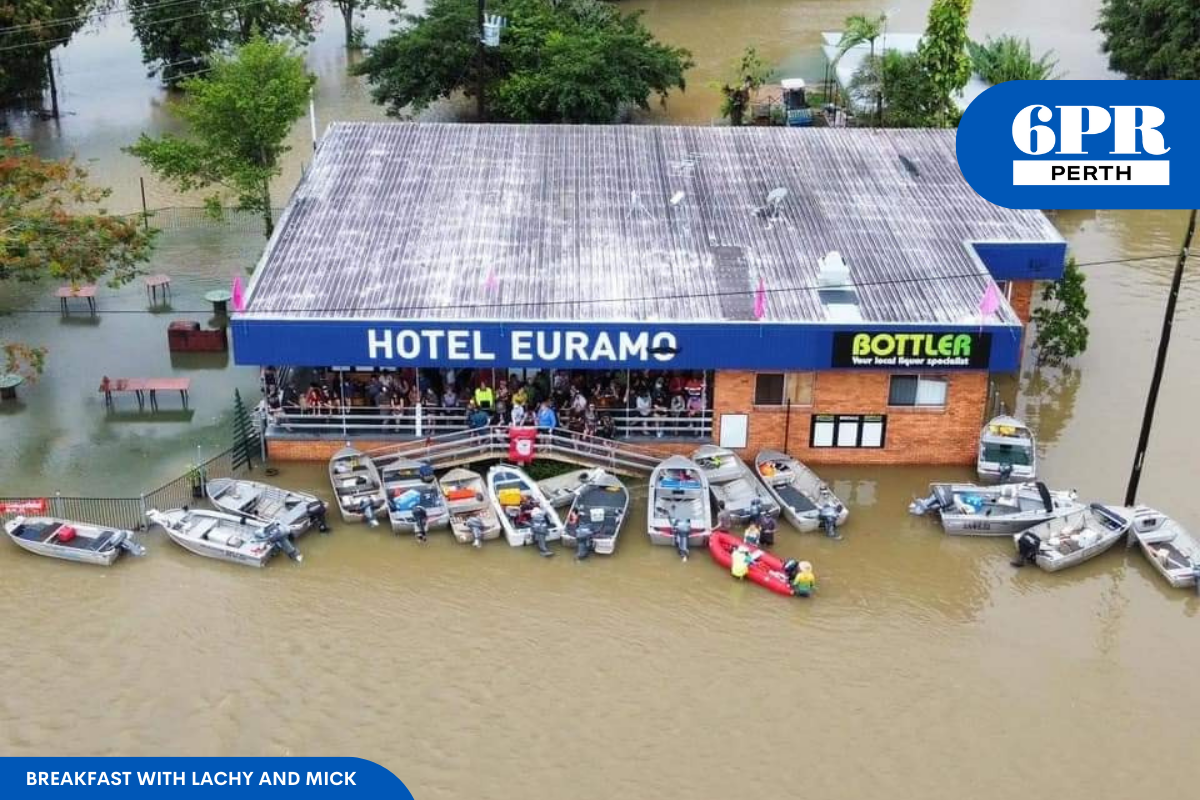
x: 633, y: 223
x: 849, y: 63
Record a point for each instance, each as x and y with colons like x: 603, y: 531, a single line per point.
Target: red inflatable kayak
x: 766, y: 570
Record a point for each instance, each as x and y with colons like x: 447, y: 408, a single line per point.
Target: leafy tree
x: 29, y: 31
x: 569, y: 61
x: 1010, y: 59
x: 180, y: 37
x: 45, y: 233
x: 239, y: 115
x: 351, y: 7
x: 908, y: 90
x: 943, y: 55
x: 1152, y: 39
x: 752, y: 73
x: 1061, y: 319
x: 860, y: 29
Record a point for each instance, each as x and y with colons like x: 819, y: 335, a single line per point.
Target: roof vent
x: 835, y: 287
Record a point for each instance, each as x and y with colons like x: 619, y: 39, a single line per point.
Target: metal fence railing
x: 419, y: 421
x: 127, y: 512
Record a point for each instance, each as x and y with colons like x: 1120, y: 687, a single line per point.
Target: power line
x: 596, y: 301
x: 53, y: 42
x: 85, y: 17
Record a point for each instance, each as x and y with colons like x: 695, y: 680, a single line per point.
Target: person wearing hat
x: 741, y: 559
x: 800, y: 575
x: 724, y: 518
x: 751, y: 534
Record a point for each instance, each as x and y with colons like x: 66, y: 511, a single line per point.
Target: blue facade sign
x: 566, y: 345
x: 1023, y: 261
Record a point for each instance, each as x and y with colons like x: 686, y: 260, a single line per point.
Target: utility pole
x: 482, y: 113
x: 1164, y: 340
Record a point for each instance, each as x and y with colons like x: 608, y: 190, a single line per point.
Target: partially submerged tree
x: 752, y: 73
x: 570, y: 61
x: 239, y: 116
x: 180, y: 37
x: 349, y: 8
x: 943, y: 56
x: 860, y: 29
x: 1157, y: 40
x: 50, y: 228
x: 1062, y: 332
x: 29, y: 31
x: 1008, y: 58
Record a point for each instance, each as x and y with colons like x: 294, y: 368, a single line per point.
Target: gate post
x: 420, y: 427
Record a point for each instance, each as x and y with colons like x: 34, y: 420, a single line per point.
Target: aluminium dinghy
x: 679, y: 497
x: 357, y: 486
x: 473, y: 518
x: 295, y: 511
x: 522, y: 508
x: 407, y: 485
x: 225, y: 537
x: 1171, y: 549
x: 733, y: 483
x: 560, y: 490
x: 595, y: 519
x: 1007, y: 451
x: 806, y: 500
x: 72, y: 541
x: 1065, y: 541
x: 970, y: 509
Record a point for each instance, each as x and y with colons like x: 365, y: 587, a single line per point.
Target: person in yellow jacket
x: 742, y: 558
x: 484, y: 397
x: 802, y: 577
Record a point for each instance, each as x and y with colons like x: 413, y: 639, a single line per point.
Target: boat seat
x: 204, y: 528
x: 250, y: 499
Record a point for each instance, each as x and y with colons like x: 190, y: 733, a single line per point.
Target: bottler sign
x: 889, y: 350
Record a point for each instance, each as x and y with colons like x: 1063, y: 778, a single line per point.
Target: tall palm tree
x: 859, y: 29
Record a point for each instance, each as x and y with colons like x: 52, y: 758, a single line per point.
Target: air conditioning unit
x: 834, y: 273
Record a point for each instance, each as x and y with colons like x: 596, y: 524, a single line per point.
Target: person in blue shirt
x: 546, y: 417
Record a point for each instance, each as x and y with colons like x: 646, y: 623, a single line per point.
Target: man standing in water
x: 724, y: 518
x: 420, y: 516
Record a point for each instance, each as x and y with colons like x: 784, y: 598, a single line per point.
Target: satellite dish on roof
x: 777, y: 196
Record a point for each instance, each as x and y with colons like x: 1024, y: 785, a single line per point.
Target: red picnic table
x: 141, y: 386
x: 64, y: 293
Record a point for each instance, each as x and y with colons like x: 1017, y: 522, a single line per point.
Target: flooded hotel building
x: 841, y: 294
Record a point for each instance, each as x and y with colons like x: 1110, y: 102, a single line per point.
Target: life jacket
x: 740, y: 564
x: 804, y: 582
x: 484, y: 397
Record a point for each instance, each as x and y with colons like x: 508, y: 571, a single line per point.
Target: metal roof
x: 621, y: 223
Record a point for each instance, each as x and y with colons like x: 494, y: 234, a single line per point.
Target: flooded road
x: 926, y: 664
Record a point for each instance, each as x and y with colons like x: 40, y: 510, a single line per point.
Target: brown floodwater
x: 926, y: 665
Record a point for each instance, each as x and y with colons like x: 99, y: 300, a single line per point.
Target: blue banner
x: 565, y: 345
x: 279, y: 778
x: 1084, y: 144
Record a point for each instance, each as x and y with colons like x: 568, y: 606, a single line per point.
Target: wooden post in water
x: 1160, y: 361
x: 482, y: 110
x: 145, y: 211
x: 53, y: 84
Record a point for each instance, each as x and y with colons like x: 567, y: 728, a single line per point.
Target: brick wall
x: 914, y: 435
x: 1022, y: 298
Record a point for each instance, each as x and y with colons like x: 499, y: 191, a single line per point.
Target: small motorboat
x: 408, y: 484
x: 357, y: 486
x: 970, y: 509
x: 1068, y: 540
x: 295, y: 511
x: 806, y: 500
x: 560, y: 490
x: 766, y: 569
x: 1171, y: 549
x: 1007, y: 451
x: 72, y: 541
x: 519, y: 502
x: 733, y: 483
x: 678, y: 493
x: 466, y: 497
x: 215, y: 534
x: 595, y: 519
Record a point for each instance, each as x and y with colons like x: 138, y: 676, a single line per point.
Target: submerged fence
x: 128, y: 512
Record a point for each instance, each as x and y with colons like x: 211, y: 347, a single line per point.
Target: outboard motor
x: 1028, y: 547
x: 828, y: 516
x: 316, y: 515
x: 279, y: 537
x: 540, y: 530
x: 922, y: 506
x: 1006, y: 471
x: 125, y: 541
x: 584, y: 545
x: 1196, y: 575
x: 682, y: 529
x: 475, y: 526
x: 367, y: 509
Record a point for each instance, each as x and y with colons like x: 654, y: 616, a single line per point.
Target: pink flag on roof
x: 491, y: 284
x: 990, y: 301
x: 760, y: 300
x: 239, y: 297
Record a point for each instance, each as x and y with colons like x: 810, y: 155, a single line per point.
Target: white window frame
x: 921, y: 380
